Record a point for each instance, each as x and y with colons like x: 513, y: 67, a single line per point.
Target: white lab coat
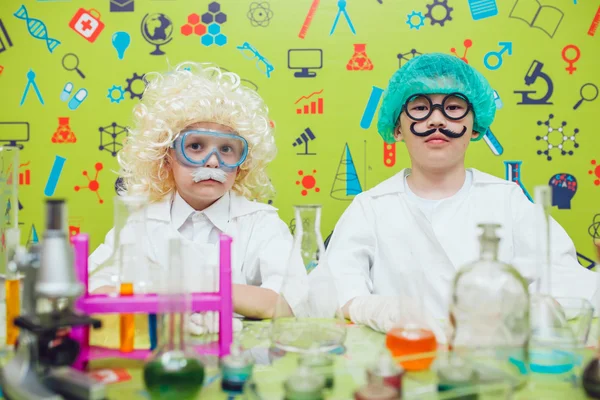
x: 382, y: 236
x: 261, y: 247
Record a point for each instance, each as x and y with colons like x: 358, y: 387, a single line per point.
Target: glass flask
x: 552, y: 338
x: 9, y: 229
x: 307, y: 313
x: 591, y: 373
x: 412, y: 341
x: 173, y: 371
x: 129, y: 267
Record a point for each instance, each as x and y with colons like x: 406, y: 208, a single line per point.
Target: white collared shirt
x: 261, y: 247
x: 383, y: 239
x: 200, y: 226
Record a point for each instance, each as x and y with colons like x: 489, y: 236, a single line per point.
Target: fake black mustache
x: 447, y: 132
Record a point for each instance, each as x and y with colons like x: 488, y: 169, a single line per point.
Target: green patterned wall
x: 329, y: 149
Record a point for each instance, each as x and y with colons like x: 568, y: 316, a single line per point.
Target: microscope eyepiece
x: 56, y: 214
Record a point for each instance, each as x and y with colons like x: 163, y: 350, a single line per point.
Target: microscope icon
x: 535, y: 72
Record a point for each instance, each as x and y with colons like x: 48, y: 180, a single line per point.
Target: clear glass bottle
x: 173, y: 371
x: 307, y: 313
x: 489, y: 310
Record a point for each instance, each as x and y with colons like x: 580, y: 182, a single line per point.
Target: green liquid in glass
x: 177, y: 379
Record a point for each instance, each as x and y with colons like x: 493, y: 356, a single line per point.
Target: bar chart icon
x: 310, y: 105
x: 25, y: 177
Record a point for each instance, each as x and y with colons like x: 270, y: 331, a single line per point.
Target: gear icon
x: 114, y: 98
x: 442, y: 3
x: 412, y: 15
x: 130, y: 82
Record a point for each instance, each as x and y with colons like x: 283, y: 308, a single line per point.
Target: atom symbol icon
x: 594, y: 229
x: 260, y: 13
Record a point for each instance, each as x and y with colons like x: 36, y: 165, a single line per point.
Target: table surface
x: 362, y: 347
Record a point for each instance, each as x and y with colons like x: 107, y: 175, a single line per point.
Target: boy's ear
x: 398, y: 134
x: 475, y: 135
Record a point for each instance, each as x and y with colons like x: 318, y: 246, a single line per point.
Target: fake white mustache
x: 204, y: 174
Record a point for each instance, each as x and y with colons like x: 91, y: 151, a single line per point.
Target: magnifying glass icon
x: 72, y: 64
x: 592, y: 94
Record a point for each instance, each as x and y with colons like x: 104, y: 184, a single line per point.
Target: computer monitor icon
x: 305, y: 60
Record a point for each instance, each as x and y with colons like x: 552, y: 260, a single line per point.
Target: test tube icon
x: 55, y: 172
x: 493, y: 142
x: 371, y: 107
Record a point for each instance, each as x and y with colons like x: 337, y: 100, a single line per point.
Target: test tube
x: 126, y: 320
x: 13, y: 307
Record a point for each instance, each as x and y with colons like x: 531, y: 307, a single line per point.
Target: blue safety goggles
x: 194, y: 148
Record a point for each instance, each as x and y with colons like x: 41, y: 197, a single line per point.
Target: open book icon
x: 546, y: 18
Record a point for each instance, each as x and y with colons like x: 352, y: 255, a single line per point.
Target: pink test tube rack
x: 220, y: 301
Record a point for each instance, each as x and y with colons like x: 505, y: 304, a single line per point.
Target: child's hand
x: 202, y: 323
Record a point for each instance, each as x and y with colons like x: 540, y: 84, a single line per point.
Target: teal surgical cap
x: 436, y: 73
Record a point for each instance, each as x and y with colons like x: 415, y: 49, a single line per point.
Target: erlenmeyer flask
x: 129, y: 263
x: 173, y: 371
x: 553, y: 342
x: 307, y: 314
x: 591, y: 373
x: 412, y: 340
x: 549, y: 325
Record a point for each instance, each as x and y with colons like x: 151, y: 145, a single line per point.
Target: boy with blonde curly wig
x: 199, y: 151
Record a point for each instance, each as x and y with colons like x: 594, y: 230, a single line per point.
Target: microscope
x: 40, y: 368
x: 535, y: 72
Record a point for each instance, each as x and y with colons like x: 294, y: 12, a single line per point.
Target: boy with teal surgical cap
x: 405, y: 238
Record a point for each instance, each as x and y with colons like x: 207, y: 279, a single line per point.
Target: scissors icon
x: 74, y: 67
x: 586, y: 98
x: 573, y: 60
x: 342, y: 10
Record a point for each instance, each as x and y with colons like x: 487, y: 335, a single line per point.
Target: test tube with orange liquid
x: 126, y: 322
x: 12, y: 286
x: 412, y: 341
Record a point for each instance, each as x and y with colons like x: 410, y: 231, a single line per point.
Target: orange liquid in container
x: 127, y: 322
x: 403, y: 342
x: 13, y: 309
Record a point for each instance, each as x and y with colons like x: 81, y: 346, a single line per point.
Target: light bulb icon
x: 120, y: 41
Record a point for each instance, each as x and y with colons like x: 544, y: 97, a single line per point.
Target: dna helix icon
x: 36, y: 28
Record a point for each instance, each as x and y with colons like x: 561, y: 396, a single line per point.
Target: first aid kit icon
x: 87, y: 23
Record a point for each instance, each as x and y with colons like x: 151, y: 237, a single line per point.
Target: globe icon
x: 157, y: 29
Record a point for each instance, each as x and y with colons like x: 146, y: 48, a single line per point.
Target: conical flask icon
x: 360, y: 61
x: 346, y: 184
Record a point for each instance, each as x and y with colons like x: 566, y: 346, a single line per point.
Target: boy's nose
x: 436, y: 120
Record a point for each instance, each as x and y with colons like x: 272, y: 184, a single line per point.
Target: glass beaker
x: 173, y: 371
x: 412, y: 336
x: 307, y: 313
x: 9, y: 230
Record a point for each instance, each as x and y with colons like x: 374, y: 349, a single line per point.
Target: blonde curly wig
x: 192, y: 93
